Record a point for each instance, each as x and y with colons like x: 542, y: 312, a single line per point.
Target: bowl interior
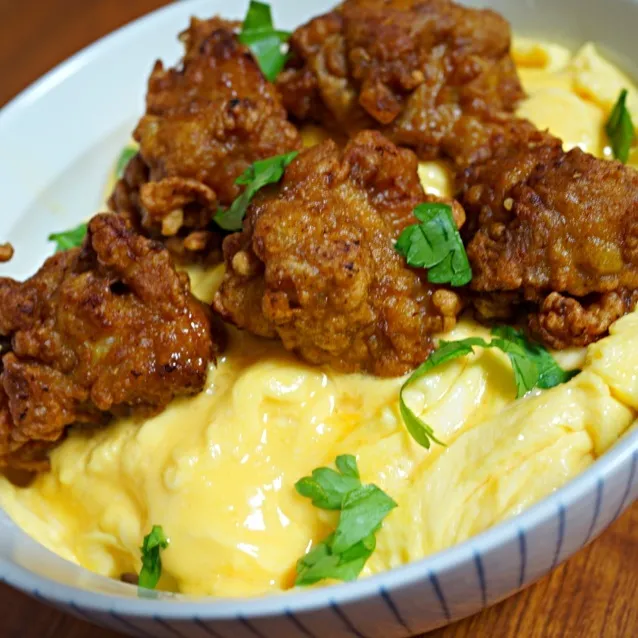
x: 60, y: 138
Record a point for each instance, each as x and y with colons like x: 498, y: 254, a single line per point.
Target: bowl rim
x: 180, y: 607
x: 623, y: 454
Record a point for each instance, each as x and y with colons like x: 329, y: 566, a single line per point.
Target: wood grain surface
x: 594, y: 594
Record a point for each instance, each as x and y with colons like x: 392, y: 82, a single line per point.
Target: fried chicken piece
x: 107, y: 329
x: 315, y: 264
x: 475, y: 140
x: 205, y: 123
x: 554, y: 234
x: 29, y: 455
x: 421, y: 71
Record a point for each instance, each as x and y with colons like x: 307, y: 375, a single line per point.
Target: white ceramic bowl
x: 58, y: 141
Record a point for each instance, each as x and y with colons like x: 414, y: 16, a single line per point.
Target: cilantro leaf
x: 525, y: 368
x: 347, y: 465
x: 69, y: 238
x: 328, y: 488
x: 343, y: 554
x: 127, y: 154
x: 549, y: 373
x: 533, y: 366
x: 421, y: 432
x: 255, y: 177
x: 436, y: 244
x: 321, y: 563
x: 620, y: 128
x: 265, y: 42
x: 151, y: 558
x: 362, y: 513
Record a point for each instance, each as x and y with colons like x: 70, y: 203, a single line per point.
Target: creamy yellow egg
x: 572, y: 95
x: 501, y: 466
x: 531, y: 53
x: 553, y: 101
x: 217, y: 471
x: 580, y: 123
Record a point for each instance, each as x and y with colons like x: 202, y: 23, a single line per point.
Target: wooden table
x: 594, y: 594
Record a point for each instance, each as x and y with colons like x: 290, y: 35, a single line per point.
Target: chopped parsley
x: 620, y: 128
x: 436, y: 244
x: 326, y: 487
x: 533, y: 366
x: 69, y: 238
x: 255, y: 177
x: 545, y: 373
x: 363, y: 508
x: 151, y: 557
x: 265, y: 42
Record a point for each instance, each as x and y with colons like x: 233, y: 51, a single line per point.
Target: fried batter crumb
x: 6, y: 252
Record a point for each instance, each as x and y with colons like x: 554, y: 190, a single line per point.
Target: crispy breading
x: 554, y: 234
x: 415, y: 69
x: 6, y: 252
x: 206, y: 121
x: 315, y: 264
x: 562, y: 321
x: 107, y: 329
x: 29, y: 455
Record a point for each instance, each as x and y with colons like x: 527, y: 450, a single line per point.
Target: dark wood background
x: 594, y: 594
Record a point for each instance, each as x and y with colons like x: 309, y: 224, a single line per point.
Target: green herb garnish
x: 620, y: 129
x: 436, y: 244
x: 151, y: 558
x: 255, y: 177
x: 127, y: 154
x: 326, y: 487
x: 69, y: 238
x: 265, y: 42
x: 343, y: 554
x: 545, y: 373
x: 420, y: 431
x: 533, y: 365
x: 321, y: 563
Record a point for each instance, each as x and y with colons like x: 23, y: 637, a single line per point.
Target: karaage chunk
x: 423, y: 72
x: 24, y: 455
x: 107, y: 329
x: 555, y: 235
x: 316, y: 267
x: 205, y: 123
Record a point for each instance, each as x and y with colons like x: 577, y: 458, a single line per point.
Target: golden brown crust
x: 556, y: 232
x: 414, y: 69
x: 29, y: 455
x: 315, y: 264
x: 6, y: 252
x: 110, y: 328
x: 205, y: 123
x: 563, y: 321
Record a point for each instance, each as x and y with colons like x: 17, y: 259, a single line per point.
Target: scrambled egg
x: 217, y: 471
x: 572, y: 96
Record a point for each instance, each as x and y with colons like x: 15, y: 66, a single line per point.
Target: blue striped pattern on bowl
x: 408, y: 600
